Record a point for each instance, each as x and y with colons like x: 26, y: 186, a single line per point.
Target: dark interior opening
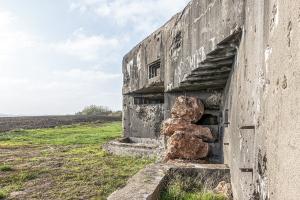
x: 126, y: 140
x: 154, y: 69
x: 208, y: 119
x: 148, y: 100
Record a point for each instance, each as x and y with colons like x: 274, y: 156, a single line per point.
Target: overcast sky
x: 57, y: 56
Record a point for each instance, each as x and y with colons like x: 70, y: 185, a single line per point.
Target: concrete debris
x: 188, y: 108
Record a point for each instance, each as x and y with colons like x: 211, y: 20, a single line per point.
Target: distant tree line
x: 98, y: 110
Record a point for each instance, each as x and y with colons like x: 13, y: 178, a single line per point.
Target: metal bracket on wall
x: 247, y: 128
x: 226, y: 118
x: 246, y: 169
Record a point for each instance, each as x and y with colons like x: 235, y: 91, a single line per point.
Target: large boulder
x: 188, y: 108
x: 170, y: 126
x: 186, y: 146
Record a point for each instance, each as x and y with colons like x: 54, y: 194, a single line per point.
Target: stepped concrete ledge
x: 149, y: 182
x: 134, y: 147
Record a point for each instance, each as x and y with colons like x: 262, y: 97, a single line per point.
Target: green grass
x: 3, y: 194
x: 68, y: 135
x: 183, y: 188
x: 5, y: 168
x: 63, y: 163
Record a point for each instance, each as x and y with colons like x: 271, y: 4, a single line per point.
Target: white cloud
x: 142, y: 15
x: 6, y: 18
x: 85, y: 47
x: 89, y: 75
x: 59, y: 80
x: 32, y: 82
x: 11, y: 39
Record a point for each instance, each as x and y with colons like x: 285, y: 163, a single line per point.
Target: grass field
x: 63, y: 163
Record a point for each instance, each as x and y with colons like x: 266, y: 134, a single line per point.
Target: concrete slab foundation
x: 137, y: 147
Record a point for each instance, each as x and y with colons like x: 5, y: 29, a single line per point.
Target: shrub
x: 95, y: 110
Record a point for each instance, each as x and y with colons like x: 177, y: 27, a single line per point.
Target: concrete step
x: 149, y: 182
x: 149, y: 150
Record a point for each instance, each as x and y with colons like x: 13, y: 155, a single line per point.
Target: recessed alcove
x: 208, y: 119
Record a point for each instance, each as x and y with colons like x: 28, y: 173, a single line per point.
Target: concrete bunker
x: 231, y: 55
x: 148, y: 100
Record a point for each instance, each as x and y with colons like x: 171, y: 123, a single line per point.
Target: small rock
x: 188, y: 108
x: 186, y: 146
x: 224, y: 189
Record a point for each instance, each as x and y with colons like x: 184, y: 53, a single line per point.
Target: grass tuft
x: 6, y: 168
x: 185, y: 188
x: 27, y: 176
x: 3, y: 194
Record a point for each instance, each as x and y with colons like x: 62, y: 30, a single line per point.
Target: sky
x: 58, y: 56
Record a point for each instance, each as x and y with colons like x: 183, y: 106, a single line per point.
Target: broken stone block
x: 188, y: 108
x: 186, y: 146
x: 170, y: 126
x: 201, y: 132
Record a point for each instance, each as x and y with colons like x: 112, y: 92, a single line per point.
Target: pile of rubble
x: 186, y: 140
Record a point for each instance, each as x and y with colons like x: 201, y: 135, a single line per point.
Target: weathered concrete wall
x: 198, y: 29
x: 263, y: 101
x: 135, y: 65
x: 181, y: 44
x: 281, y: 99
x: 141, y: 121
